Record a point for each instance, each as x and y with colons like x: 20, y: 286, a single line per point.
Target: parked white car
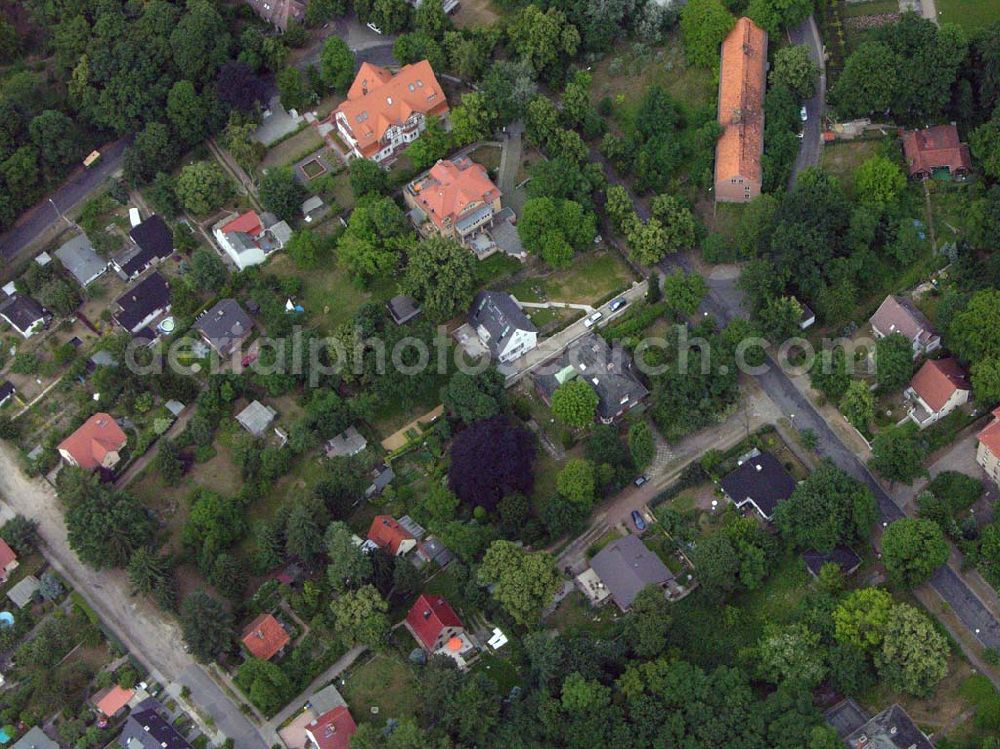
x: 593, y: 319
x: 374, y: 28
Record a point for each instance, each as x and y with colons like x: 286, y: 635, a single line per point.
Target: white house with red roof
x: 988, y: 449
x: 250, y: 238
x: 385, y: 112
x: 387, y: 533
x: 8, y: 560
x: 436, y: 626
x: 938, y: 388
x: 331, y: 730
x: 455, y: 198
x: 96, y: 444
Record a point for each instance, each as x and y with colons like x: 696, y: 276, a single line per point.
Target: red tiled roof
x: 7, y: 554
x: 937, y: 380
x: 935, y: 147
x: 94, y: 440
x: 742, y: 79
x: 378, y: 100
x: 247, y: 223
x: 264, y: 637
x: 112, y: 699
x: 451, y: 188
x: 333, y: 729
x: 429, y: 615
x: 990, y: 436
x: 386, y: 532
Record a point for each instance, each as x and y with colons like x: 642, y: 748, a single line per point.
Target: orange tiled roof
x: 990, y: 436
x: 934, y: 147
x: 90, y: 444
x: 742, y: 79
x: 112, y: 699
x: 264, y: 637
x: 452, y: 188
x: 7, y: 554
x: 246, y: 223
x: 377, y: 100
x: 937, y: 380
x: 386, y: 532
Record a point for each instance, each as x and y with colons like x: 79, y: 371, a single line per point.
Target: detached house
x: 96, y: 444
x: 250, y: 238
x: 152, y: 243
x: 146, y: 728
x: 264, y: 637
x: 899, y: 315
x: 936, y: 150
x: 742, y: 81
x: 279, y: 13
x: 501, y: 326
x: 387, y: 533
x: 331, y: 730
x: 761, y: 482
x: 225, y: 326
x: 436, y: 626
x: 988, y: 450
x: 141, y: 305
x: 24, y: 314
x: 455, y: 199
x: 937, y: 389
x: 8, y: 560
x: 623, y: 569
x: 385, y: 112
x: 81, y: 261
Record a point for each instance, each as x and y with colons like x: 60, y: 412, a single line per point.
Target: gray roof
x: 23, y: 593
x: 79, y: 258
x: 326, y: 699
x: 35, y: 738
x: 890, y: 729
x: 256, y: 418
x: 6, y: 390
x: 412, y: 527
x: 103, y: 358
x: 402, y: 308
x: 382, y: 476
x: 499, y: 315
x: 349, y: 442
x: 760, y: 480
x: 626, y: 566
x: 22, y: 311
x: 224, y: 326
x: 312, y: 204
x: 846, y: 559
x: 845, y: 717
x: 435, y: 551
x: 174, y: 407
x: 607, y: 370
x: 142, y: 300
x: 281, y: 232
x: 147, y: 729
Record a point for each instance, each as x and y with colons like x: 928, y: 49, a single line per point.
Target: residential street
x: 151, y: 636
x: 812, y: 139
x: 34, y: 222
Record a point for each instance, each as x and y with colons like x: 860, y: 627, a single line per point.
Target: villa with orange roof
x: 455, y: 198
x: 264, y: 637
x: 988, y: 450
x: 387, y: 533
x: 436, y: 626
x: 742, y: 81
x: 96, y: 444
x: 937, y: 389
x: 385, y: 112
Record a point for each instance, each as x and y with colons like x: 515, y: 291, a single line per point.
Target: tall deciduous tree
x: 914, y: 654
x: 525, y: 582
x: 704, y: 24
x: 575, y: 403
x: 359, y: 616
x: 794, y: 68
x: 491, y: 459
x: 281, y: 194
x: 912, y: 549
x: 336, y: 64
x: 898, y: 453
x: 441, y: 275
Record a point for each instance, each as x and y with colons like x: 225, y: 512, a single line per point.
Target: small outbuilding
x: 256, y: 418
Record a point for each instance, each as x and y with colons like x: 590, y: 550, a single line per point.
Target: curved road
x: 73, y: 191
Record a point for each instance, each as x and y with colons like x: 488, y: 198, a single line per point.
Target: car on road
x: 618, y: 304
x: 373, y: 27
x: 593, y: 319
x: 803, y: 113
x: 640, y: 523
x: 641, y: 480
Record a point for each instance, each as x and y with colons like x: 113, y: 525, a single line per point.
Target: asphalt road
x: 74, y: 190
x: 812, y: 133
x: 724, y: 303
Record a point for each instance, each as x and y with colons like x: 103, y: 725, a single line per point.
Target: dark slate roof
x: 499, y: 314
x: 146, y: 729
x: 762, y: 480
x: 626, y: 566
x: 843, y: 557
x: 141, y: 300
x: 846, y: 717
x: 153, y: 241
x: 402, y: 308
x: 6, y: 390
x: 22, y: 311
x: 609, y: 371
x: 224, y: 325
x: 890, y: 729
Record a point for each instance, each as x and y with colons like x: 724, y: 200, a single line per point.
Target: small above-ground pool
x: 167, y: 325
x: 6, y: 619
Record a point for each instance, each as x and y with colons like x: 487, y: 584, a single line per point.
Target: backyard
x: 970, y: 14
x: 842, y: 159
x: 593, y: 278
x: 381, y: 688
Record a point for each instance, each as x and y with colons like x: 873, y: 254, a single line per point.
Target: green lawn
x: 970, y: 14
x: 593, y: 277
x: 500, y: 670
x: 842, y: 159
x: 575, y: 615
x: 874, y: 7
x: 385, y: 683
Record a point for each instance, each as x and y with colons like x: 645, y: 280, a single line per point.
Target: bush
x: 959, y: 491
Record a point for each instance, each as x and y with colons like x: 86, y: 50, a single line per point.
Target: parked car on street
x: 618, y: 304
x: 593, y: 319
x: 640, y: 523
x: 641, y: 480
